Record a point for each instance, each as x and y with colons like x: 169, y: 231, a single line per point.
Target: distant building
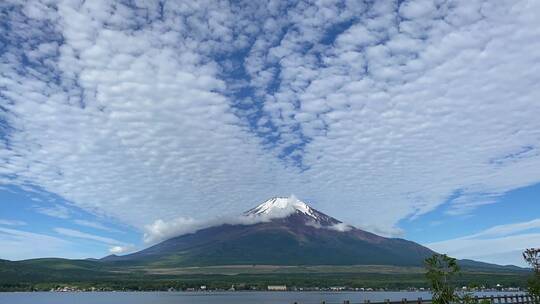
x: 277, y: 287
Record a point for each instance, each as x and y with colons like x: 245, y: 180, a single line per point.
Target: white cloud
x: 12, y: 222
x: 161, y: 230
x: 421, y: 117
x: 417, y: 9
x: 58, y: 211
x: 18, y: 245
x: 83, y: 235
x: 95, y: 225
x: 341, y: 227
x: 108, y: 156
x: 508, y: 229
x: 500, y: 250
x: 391, y: 232
x: 132, y: 116
x: 121, y: 249
x: 501, y: 244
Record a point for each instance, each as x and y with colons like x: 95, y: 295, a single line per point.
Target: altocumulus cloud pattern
x: 375, y: 111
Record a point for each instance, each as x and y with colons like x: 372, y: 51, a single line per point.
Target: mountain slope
x: 289, y: 232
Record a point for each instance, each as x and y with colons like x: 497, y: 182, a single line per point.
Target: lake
x: 204, y: 297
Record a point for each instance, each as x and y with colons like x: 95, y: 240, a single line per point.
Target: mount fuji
x: 280, y: 231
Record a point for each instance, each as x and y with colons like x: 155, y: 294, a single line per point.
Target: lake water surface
x: 204, y: 297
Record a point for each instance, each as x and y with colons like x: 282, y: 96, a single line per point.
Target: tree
x: 532, y: 257
x: 440, y: 269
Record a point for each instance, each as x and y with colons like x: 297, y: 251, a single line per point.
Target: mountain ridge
x: 299, y: 245
x: 303, y: 235
x: 312, y: 241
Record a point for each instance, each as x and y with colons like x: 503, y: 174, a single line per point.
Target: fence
x: 499, y: 299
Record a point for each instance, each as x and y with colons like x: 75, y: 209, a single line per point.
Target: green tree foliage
x: 440, y: 269
x: 532, y: 257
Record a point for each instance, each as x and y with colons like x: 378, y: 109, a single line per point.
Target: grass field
x: 43, y: 274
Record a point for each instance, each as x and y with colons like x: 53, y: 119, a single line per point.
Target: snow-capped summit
x: 281, y: 207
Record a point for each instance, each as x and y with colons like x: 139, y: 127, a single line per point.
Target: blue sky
x: 122, y: 123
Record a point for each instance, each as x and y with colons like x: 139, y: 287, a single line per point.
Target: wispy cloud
x: 95, y: 225
x: 507, y: 229
x: 466, y: 203
x: 500, y: 244
x: 58, y: 211
x: 88, y: 236
x: 12, y: 222
x: 18, y: 244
